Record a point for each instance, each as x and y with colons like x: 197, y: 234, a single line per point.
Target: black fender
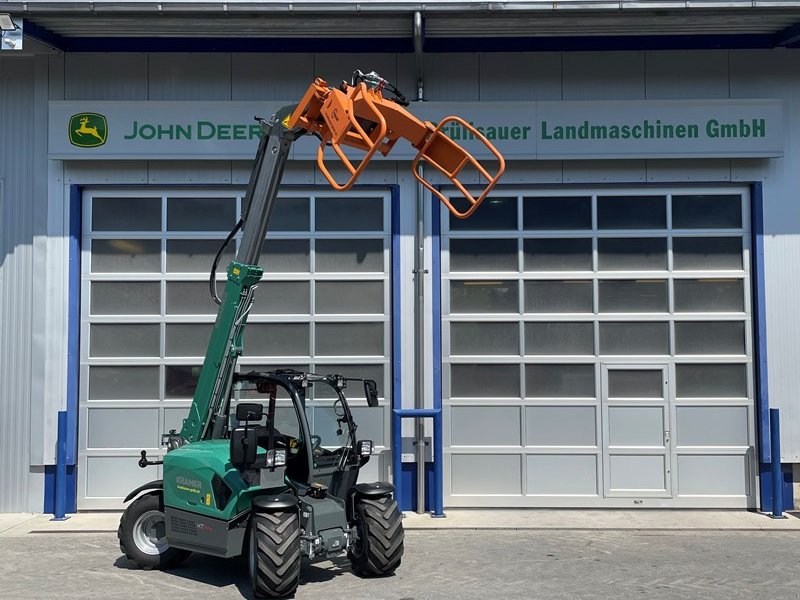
x: 377, y: 489
x: 158, y: 484
x: 269, y: 503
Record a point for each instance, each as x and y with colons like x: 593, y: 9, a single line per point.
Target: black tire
x: 274, y: 554
x: 379, y: 547
x: 142, y: 531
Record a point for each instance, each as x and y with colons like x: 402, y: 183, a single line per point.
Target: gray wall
x: 34, y: 225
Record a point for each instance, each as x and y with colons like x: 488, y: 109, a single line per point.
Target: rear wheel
x: 380, y: 537
x: 274, y: 557
x: 142, y: 535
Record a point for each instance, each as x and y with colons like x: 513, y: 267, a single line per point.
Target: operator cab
x: 307, y: 417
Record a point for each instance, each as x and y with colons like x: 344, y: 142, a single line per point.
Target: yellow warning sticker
x: 208, y: 499
x: 285, y: 121
x: 236, y: 270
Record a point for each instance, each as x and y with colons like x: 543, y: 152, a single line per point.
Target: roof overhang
x: 386, y: 25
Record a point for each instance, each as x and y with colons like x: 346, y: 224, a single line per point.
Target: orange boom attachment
x: 358, y: 116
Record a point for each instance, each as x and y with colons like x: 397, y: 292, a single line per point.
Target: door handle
x: 666, y: 438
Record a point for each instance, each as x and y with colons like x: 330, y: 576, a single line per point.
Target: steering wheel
x: 316, y: 443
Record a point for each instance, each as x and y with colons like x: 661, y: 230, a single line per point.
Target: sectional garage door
x: 147, y: 313
x: 597, y: 349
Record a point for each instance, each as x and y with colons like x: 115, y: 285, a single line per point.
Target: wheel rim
x: 150, y: 533
x: 361, y: 542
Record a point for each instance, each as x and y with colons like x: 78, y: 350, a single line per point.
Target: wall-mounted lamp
x: 7, y: 23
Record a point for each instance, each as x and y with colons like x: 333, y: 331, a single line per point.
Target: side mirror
x: 244, y: 446
x: 371, y: 392
x: 249, y: 411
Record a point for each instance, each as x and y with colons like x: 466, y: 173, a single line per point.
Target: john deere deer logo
x: 88, y: 130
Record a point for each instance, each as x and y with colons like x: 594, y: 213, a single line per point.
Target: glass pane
x: 631, y: 212
x: 126, y: 256
x: 701, y: 211
x: 557, y: 213
x: 187, y: 339
x: 336, y: 213
x: 636, y: 295
x: 349, y: 297
x: 484, y: 381
x: 559, y: 338
x: 483, y: 255
x: 558, y: 254
x: 355, y: 389
x: 569, y: 296
x: 124, y: 340
x: 632, y: 254
x: 126, y: 298
x: 290, y: 214
x: 180, y: 381
x: 634, y: 338
x: 342, y: 256
x: 349, y: 339
x: 192, y: 298
x: 126, y: 214
x: 277, y: 339
x: 123, y: 383
x: 559, y: 381
x: 285, y: 256
x: 484, y: 297
x: 494, y: 213
x: 282, y: 297
x: 707, y: 254
x: 635, y: 383
x: 484, y: 338
x: 201, y: 214
x: 709, y: 295
x: 709, y: 337
x: 197, y: 256
x: 710, y: 381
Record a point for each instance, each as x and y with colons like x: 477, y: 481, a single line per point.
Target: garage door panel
x: 718, y: 475
x: 486, y: 474
x: 562, y: 474
x: 144, y: 341
x: 485, y: 426
x: 123, y: 428
x: 632, y: 303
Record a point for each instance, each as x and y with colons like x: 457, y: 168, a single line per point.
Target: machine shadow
x: 222, y: 572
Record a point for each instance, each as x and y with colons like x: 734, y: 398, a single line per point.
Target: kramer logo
x: 88, y: 130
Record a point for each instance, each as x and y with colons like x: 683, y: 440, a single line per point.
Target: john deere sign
x: 520, y: 130
x: 87, y: 130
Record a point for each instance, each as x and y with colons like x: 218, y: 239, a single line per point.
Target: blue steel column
x: 60, y: 499
x: 777, y: 477
x: 436, y: 301
x: 397, y: 381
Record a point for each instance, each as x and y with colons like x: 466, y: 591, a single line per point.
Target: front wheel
x: 142, y: 535
x: 379, y: 547
x: 274, y: 556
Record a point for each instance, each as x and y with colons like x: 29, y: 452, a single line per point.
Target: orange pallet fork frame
x: 360, y: 117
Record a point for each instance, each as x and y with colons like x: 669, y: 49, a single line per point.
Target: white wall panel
x: 451, y: 77
x: 271, y: 76
x: 189, y: 76
x: 82, y: 172
x: 610, y: 171
x: 105, y: 76
x: 773, y: 74
x: 189, y: 171
x: 677, y: 170
x: 681, y: 74
x: 519, y: 76
x: 603, y: 76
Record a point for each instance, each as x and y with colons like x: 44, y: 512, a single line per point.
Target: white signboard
x: 520, y: 130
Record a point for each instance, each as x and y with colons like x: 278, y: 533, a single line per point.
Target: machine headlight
x: 276, y: 458
x: 364, y: 447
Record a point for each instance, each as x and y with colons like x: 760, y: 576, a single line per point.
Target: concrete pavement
x: 480, y: 519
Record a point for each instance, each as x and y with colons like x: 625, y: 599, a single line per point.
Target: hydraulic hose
x: 212, y: 280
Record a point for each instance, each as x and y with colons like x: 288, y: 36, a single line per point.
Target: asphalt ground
x: 446, y: 564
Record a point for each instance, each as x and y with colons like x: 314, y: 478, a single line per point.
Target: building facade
x: 608, y: 329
